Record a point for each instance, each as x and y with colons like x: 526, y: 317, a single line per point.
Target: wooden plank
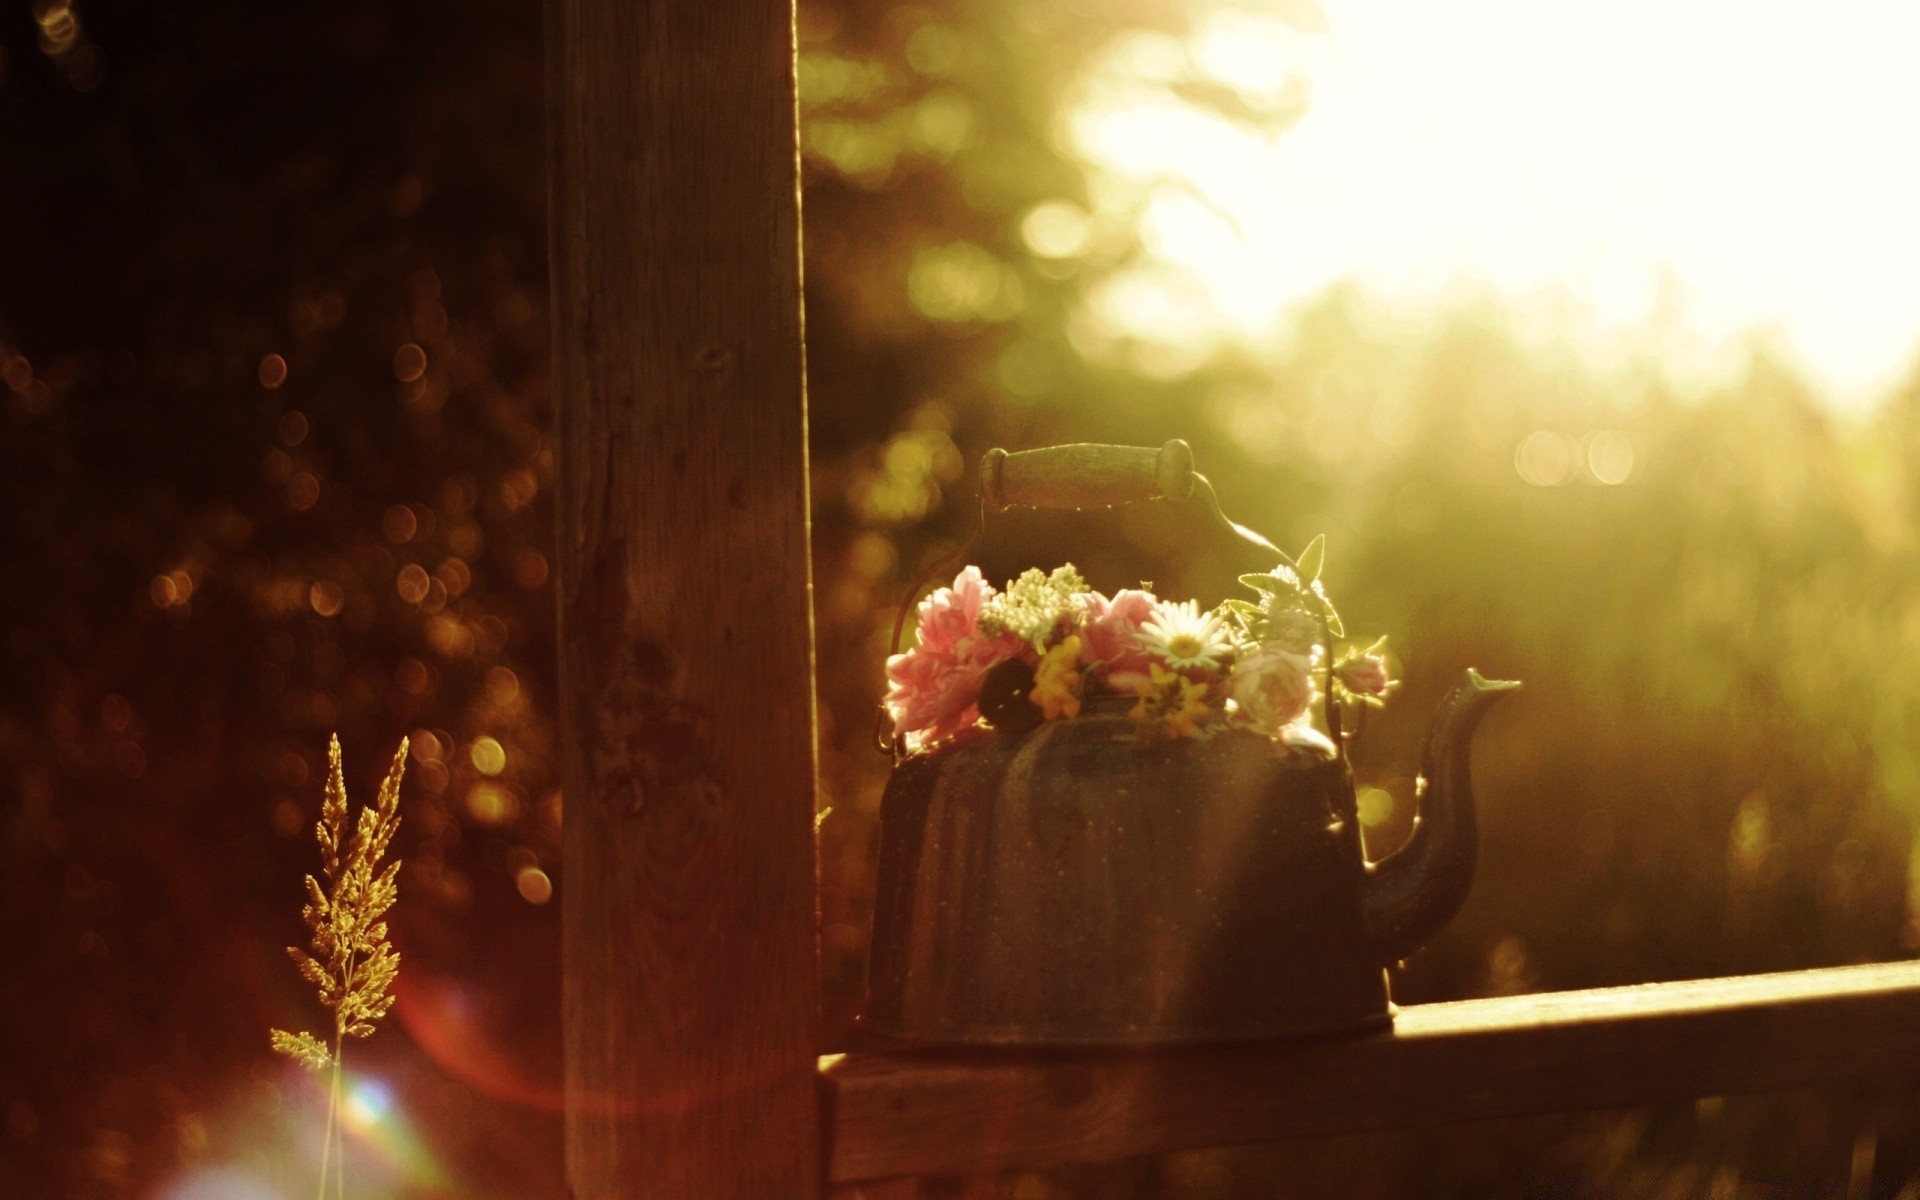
x: 685, y: 627
x: 910, y: 1114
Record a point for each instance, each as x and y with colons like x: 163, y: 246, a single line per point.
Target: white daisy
x: 1185, y: 638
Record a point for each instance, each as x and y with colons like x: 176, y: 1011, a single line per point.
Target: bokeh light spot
x: 933, y: 50
x: 17, y: 372
x: 409, y: 363
x: 326, y: 597
x: 163, y: 592
x: 412, y: 676
x: 116, y: 713
x: 454, y: 575
x: 447, y: 635
x: 503, y: 686
x: 491, y: 804
x: 533, y: 885
x: 399, y: 524
x: 273, y: 371
x: 427, y: 746
x: 287, y: 819
x: 412, y: 583
x: 489, y: 756
x: 1610, y: 456
x: 942, y: 124
x: 303, y: 491
x: 1545, y: 458
x: 962, y: 282
x: 530, y: 569
x: 1057, y: 229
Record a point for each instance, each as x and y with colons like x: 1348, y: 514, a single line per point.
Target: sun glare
x: 1689, y: 167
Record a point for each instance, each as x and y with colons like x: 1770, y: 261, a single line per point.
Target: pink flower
x: 952, y: 614
x: 1112, y: 637
x: 935, y: 688
x: 1365, y: 675
x: 1271, y: 688
x: 934, y: 696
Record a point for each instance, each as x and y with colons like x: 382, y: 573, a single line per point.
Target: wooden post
x: 685, y: 586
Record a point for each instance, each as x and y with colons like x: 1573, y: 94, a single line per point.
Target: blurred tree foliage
x: 274, y: 458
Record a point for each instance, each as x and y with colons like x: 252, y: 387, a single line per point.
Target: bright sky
x: 1763, y: 158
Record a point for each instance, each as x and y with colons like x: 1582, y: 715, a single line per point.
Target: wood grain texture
x: 922, y: 1187
x: 905, y: 1114
x: 685, y: 628
x: 903, y: 1188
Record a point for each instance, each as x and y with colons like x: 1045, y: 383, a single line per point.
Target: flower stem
x: 333, y: 1107
x: 1331, y: 707
x: 336, y: 1125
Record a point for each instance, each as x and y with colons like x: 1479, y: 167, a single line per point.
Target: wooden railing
x: 901, y: 1115
x: 687, y: 739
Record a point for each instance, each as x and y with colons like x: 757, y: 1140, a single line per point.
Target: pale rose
x: 1365, y: 675
x: 1111, y: 636
x: 1271, y: 688
x: 1294, y: 630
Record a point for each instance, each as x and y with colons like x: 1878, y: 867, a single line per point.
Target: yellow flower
x: 1056, y: 684
x: 1171, y: 705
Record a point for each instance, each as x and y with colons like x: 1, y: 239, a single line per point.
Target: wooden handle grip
x: 1086, y: 475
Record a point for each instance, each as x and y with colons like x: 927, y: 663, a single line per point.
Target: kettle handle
x: 1085, y: 475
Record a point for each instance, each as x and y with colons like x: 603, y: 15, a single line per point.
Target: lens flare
x: 438, y: 1015
x: 367, y: 1103
x: 221, y: 1183
x: 374, y: 1121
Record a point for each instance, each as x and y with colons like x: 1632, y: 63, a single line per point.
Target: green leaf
x: 1312, y: 558
x: 1272, y: 585
x: 1242, y: 608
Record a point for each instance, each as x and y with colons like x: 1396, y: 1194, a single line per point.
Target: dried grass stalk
x: 350, y: 961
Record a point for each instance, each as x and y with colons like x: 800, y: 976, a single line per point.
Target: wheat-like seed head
x: 352, y: 965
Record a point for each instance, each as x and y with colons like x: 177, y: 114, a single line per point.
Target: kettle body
x: 1074, y: 885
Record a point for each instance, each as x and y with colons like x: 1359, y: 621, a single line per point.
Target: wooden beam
x: 898, y: 1114
x: 685, y: 630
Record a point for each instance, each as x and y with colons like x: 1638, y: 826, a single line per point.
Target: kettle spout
x: 1416, y: 890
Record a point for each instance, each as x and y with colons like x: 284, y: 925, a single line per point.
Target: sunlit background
x: 1585, y: 332
x: 1672, y: 178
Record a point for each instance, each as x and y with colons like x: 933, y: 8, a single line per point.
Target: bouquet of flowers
x: 1046, y: 645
